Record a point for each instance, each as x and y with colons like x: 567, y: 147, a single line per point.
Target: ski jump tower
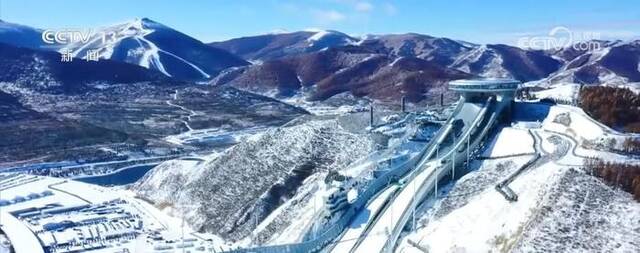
x: 477, y: 90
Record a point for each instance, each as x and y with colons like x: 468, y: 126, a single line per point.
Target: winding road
x: 190, y: 112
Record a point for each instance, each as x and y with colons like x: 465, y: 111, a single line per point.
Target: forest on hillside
x: 618, y: 108
x: 620, y: 175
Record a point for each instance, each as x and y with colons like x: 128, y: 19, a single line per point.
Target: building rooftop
x: 484, y: 85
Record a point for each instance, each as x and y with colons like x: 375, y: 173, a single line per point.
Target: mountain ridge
x: 315, y: 63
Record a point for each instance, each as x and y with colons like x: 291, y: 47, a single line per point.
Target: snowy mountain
x: 20, y: 35
x: 441, y: 51
x: 272, y: 46
x: 506, y: 61
x: 43, y: 70
x: 351, y: 69
x: 155, y: 46
x: 481, y: 60
x: 87, y: 104
x: 611, y: 63
x: 418, y: 65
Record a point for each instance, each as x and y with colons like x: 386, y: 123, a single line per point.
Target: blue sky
x: 474, y: 21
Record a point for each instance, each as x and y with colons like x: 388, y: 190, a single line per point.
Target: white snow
x: 304, y: 216
x: 581, y: 125
x: 147, y: 54
x: 395, y: 61
x: 21, y: 238
x: 489, y: 222
x: 318, y: 35
x: 150, y: 57
x: 359, y: 224
x: 485, y: 222
x: 73, y: 194
x: 560, y: 91
x: 389, y: 218
x: 503, y: 144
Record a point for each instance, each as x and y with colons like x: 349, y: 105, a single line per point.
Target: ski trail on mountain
x: 191, y: 112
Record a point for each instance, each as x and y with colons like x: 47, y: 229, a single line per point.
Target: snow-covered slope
x: 506, y: 61
x: 441, y: 51
x: 20, y: 35
x: 560, y: 207
x: 606, y: 62
x: 230, y: 194
x: 153, y: 45
x: 271, y: 46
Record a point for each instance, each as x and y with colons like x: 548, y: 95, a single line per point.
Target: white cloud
x: 363, y: 6
x: 328, y: 16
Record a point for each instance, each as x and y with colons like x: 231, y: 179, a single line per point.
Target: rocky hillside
x: 357, y: 70
x: 236, y: 190
x: 507, y: 61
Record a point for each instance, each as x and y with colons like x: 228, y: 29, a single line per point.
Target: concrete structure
x: 371, y: 116
x: 486, y: 85
x: 481, y: 104
x: 403, y: 104
x: 478, y: 90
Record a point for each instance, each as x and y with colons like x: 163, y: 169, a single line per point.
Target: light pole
x: 453, y: 159
x: 182, y: 231
x: 468, y: 154
x: 390, y: 210
x: 315, y: 214
x: 436, y: 183
x: 413, y: 223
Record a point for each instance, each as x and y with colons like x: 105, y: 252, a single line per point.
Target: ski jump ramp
x: 482, y: 104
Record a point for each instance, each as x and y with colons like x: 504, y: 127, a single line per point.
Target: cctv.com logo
x: 73, y: 36
x: 561, y: 37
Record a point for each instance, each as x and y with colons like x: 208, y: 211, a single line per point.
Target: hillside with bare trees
x: 620, y: 175
x: 618, y: 108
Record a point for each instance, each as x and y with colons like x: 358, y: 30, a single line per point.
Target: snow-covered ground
x: 567, y: 91
x: 500, y: 146
x: 561, y: 91
x: 54, y: 214
x: 588, y: 133
x: 560, y: 208
x: 349, y: 105
x: 264, y: 189
x: 358, y: 227
x: 556, y: 199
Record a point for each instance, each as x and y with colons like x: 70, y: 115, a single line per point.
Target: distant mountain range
x: 320, y: 64
x: 53, y: 111
x: 612, y: 62
x: 20, y: 35
x: 274, y: 46
x: 43, y: 70
x: 142, y: 42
